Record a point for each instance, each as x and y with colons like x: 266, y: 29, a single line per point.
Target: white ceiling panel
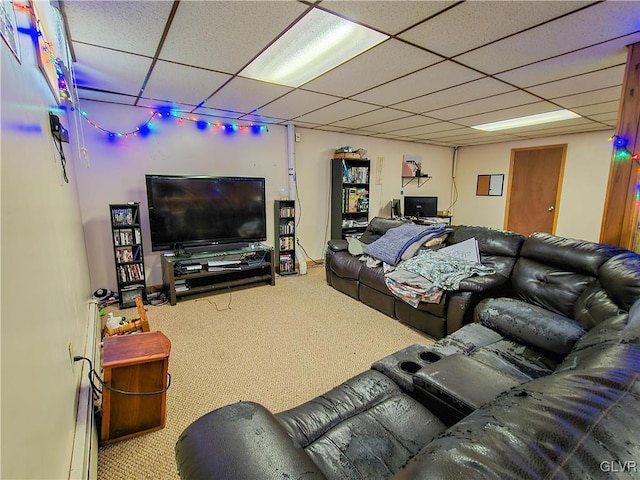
x: 401, y: 123
x: 181, y: 83
x: 108, y: 70
x: 588, y: 27
x: 556, y: 54
x: 117, y: 24
x: 295, y: 104
x: 508, y: 113
x: 487, y: 104
x: 376, y: 116
x: 474, y: 24
x: 596, y: 109
x: 609, y: 77
x: 605, y: 55
x: 484, y: 87
x: 391, y: 17
x: 338, y: 110
x: 390, y: 60
x: 611, y: 94
x: 225, y: 35
x: 243, y: 95
x: 108, y: 97
x: 431, y: 79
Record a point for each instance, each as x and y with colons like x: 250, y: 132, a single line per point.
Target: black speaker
x: 395, y: 208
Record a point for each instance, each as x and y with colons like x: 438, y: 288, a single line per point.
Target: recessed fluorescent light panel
x: 317, y: 43
x: 527, y: 121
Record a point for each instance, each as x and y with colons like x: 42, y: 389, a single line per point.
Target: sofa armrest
x: 338, y: 245
x: 530, y: 324
x: 241, y: 441
x: 482, y: 284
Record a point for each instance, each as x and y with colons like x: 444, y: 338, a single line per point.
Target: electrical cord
x: 113, y: 389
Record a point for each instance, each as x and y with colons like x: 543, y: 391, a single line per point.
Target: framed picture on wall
x: 9, y: 28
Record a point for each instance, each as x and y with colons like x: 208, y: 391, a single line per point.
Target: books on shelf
x: 288, y: 228
x: 124, y: 216
x: 133, y: 272
x: 287, y: 265
x: 287, y: 212
x: 287, y: 243
x: 352, y: 174
x: 355, y: 200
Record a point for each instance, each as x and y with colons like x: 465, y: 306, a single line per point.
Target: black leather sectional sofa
x: 543, y: 383
x: 498, y: 249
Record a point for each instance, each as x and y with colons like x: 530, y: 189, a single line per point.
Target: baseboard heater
x: 84, y: 457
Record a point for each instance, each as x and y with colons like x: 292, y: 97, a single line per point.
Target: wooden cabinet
x: 349, y: 196
x: 127, y: 252
x: 135, y: 369
x: 285, y: 231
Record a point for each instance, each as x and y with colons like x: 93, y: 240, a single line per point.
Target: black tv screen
x: 420, y: 207
x: 200, y: 211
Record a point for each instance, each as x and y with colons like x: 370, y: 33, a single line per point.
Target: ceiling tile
x: 339, y: 110
x: 508, y: 113
x: 431, y: 79
x: 181, y: 83
x: 488, y: 104
x: 586, y: 60
x: 466, y: 92
x: 598, y: 23
x: 296, y: 103
x: 134, y: 27
x: 389, y: 17
x: 376, y: 116
x: 385, y: 62
x: 609, y: 77
x: 401, y: 123
x: 245, y: 95
x: 107, y: 97
x: 104, y: 69
x: 473, y: 24
x: 610, y: 94
x: 596, y: 108
x: 225, y: 35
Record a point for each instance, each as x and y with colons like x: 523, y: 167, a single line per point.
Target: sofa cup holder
x: 430, y: 357
x: 409, y: 367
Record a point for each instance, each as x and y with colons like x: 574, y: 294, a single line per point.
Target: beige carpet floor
x: 276, y: 345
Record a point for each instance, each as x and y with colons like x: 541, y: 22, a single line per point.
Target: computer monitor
x: 420, y: 207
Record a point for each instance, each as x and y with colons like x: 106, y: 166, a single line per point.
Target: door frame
x: 559, y: 184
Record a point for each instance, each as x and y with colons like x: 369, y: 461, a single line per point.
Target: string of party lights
x: 622, y: 153
x: 149, y: 126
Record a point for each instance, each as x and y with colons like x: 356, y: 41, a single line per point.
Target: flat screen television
x: 420, y: 207
x: 202, y: 211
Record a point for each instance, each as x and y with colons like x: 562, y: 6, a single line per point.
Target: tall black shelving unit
x: 127, y: 252
x: 349, y: 196
x: 285, y: 232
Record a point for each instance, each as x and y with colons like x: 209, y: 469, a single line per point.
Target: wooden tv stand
x: 190, y: 275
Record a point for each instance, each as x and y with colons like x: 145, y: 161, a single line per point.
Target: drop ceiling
x: 446, y: 66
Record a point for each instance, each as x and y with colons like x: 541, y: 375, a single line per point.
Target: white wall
x: 45, y: 280
x: 115, y: 173
x: 583, y: 189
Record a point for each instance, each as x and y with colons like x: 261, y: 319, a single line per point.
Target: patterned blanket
x: 390, y: 247
x: 444, y: 271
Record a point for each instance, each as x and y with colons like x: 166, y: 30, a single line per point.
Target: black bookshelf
x: 126, y: 234
x: 285, y: 232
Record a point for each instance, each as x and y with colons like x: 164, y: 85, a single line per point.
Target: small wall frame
x: 490, y: 185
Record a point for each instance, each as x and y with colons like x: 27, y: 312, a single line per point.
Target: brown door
x: 534, y: 189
